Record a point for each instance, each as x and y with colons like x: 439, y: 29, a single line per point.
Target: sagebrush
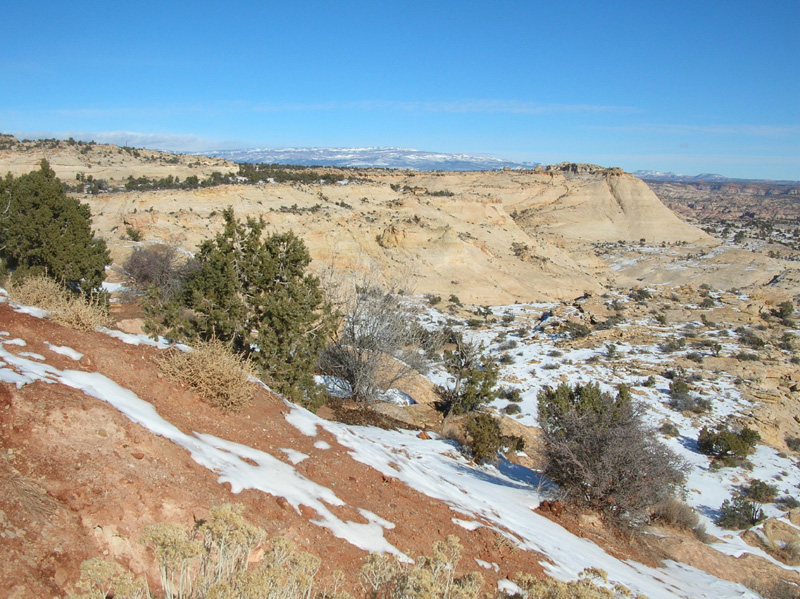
x: 214, y: 560
x: 430, y: 577
x: 211, y: 560
x: 592, y: 583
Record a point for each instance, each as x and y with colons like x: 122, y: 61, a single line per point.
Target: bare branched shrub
x: 378, y: 343
x: 154, y: 265
x: 219, y: 376
x: 66, y: 308
x: 601, y: 454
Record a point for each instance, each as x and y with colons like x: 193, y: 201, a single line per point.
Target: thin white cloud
x: 154, y: 141
x: 453, y: 107
x: 735, y: 129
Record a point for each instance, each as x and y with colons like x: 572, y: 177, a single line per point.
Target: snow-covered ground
x: 538, y: 360
x: 501, y: 497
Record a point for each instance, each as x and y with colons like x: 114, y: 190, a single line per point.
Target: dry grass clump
x: 675, y: 512
x: 83, y: 316
x: 25, y: 492
x: 780, y: 546
x: 40, y: 291
x: 219, y: 376
x: 65, y: 308
x: 775, y: 589
x: 703, y: 536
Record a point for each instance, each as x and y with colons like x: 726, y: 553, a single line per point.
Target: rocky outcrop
x: 602, y: 205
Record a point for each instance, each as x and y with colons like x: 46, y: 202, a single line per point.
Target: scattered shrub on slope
x: 601, y: 453
x: 745, y: 509
x: 255, y: 294
x: 219, y: 376
x: 727, y: 446
x: 474, y: 377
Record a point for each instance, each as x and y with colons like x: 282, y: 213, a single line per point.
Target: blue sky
x: 690, y: 87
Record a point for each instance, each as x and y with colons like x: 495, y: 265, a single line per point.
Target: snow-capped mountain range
x: 661, y: 176
x: 408, y: 158
x: 401, y: 158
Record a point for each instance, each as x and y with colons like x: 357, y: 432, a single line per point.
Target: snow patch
x: 295, y: 457
x: 64, y: 351
x: 487, y: 565
x: 113, y: 287
x: 507, y: 587
x: 303, y: 420
x: 468, y: 524
x: 396, y: 397
x: 131, y: 339
x: 30, y: 311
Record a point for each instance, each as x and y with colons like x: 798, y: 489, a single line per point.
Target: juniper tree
x: 45, y: 232
x: 745, y: 509
x: 255, y: 294
x: 726, y: 445
x: 474, y: 377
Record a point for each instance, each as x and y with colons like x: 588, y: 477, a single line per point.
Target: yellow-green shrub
x: 430, y: 577
x: 66, y: 308
x: 592, y: 583
x: 219, y: 376
x: 101, y: 579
